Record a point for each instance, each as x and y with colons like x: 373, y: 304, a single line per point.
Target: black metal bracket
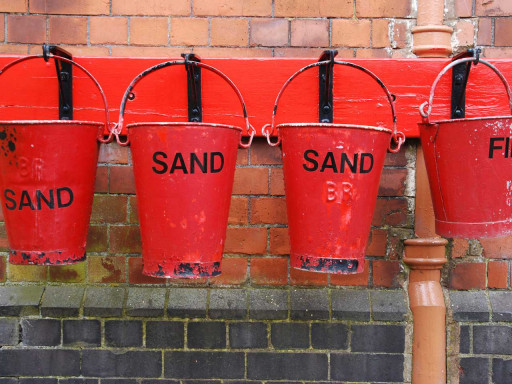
x: 195, y: 110
x: 325, y: 76
x: 460, y: 75
x: 65, y: 78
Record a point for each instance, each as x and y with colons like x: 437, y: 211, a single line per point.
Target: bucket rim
x: 466, y: 119
x: 330, y: 125
x: 190, y: 124
x: 50, y: 122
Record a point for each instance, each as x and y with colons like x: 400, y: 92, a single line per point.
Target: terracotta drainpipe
x: 426, y: 257
x: 431, y: 37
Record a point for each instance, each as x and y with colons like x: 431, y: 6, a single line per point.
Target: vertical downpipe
x: 430, y: 37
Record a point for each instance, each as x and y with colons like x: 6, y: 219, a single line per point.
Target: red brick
x: 109, y: 209
x: 484, y: 36
x: 497, y: 53
x: 233, y: 271
x: 385, y: 273
x: 110, y: 269
x: 268, y: 210
x: 97, y: 238
x: 149, y: 30
x: 15, y: 49
x: 81, y: 50
x: 2, y: 29
x: 264, y: 154
x: 151, y: 7
x: 380, y: 33
x: 377, y: 243
x: 300, y: 277
x: 101, y: 182
x: 353, y: 279
x: 113, y: 154
x: 233, y: 52
x: 400, y: 33
x: 493, y: 8
x: 251, y: 181
x: 269, y: 271
x: 351, y: 32
x: 279, y: 241
x: 313, y: 53
x: 465, y: 33
x: 66, y: 7
x: 24, y: 273
x: 398, y: 159
x: 123, y: 51
x: 383, y: 8
x: 269, y: 32
x: 372, y: 53
x: 460, y: 248
x: 246, y: 240
x: 74, y: 273
x: 4, y: 245
x: 497, y: 274
x: 239, y: 211
x: 125, y: 239
x: 189, y: 31
x: 8, y: 6
x: 26, y: 29
x: 390, y: 212
x: 133, y: 214
x: 463, y: 8
x: 242, y: 156
x: 122, y: 180
x: 468, y: 276
x: 108, y: 30
x: 3, y: 266
x: 497, y: 248
x: 232, y: 8
x: 392, y: 182
x: 314, y: 8
x: 135, y: 275
x: 276, y: 181
x: 309, y: 33
x: 502, y: 32
x: 67, y: 30
x: 229, y: 32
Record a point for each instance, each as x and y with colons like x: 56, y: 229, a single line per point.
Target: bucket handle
x: 119, y: 126
x: 476, y: 60
x: 55, y: 57
x: 398, y: 137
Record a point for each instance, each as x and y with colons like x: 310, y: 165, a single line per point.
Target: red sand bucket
x: 469, y: 166
x: 47, y: 172
x: 331, y: 174
x: 184, y: 177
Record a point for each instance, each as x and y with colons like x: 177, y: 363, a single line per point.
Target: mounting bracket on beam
x: 65, y: 78
x: 195, y: 111
x: 325, y: 76
x: 460, y: 74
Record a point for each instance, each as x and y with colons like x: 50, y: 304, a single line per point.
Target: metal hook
x: 195, y: 112
x: 325, y: 76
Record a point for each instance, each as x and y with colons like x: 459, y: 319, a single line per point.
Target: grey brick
x: 78, y: 380
x: 44, y: 332
x: 329, y: 336
x: 20, y: 301
x: 8, y: 381
x: 104, y: 301
x: 9, y: 332
x: 228, y: 304
x: 81, y: 333
x: 123, y: 333
x: 501, y: 304
x: 160, y: 381
x: 350, y: 305
x: 307, y: 304
x: 378, y: 338
x: 501, y: 371
x: 187, y: 302
x: 210, y: 335
x: 464, y: 346
x: 37, y: 380
x: 118, y: 381
x: 165, y: 334
x: 147, y: 302
x: 286, y: 366
x: 201, y: 381
x: 388, y: 305
x: 469, y: 306
x: 104, y: 363
x: 268, y: 304
x: 204, y: 365
x: 473, y: 370
x: 492, y: 339
x: 248, y: 335
x: 58, y: 362
x: 366, y: 367
x: 289, y: 335
x: 62, y: 301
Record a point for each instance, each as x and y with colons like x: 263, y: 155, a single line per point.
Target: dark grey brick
x: 165, y: 334
x: 473, y: 370
x: 365, y: 367
x: 248, y: 335
x: 329, y: 336
x: 228, y: 304
x: 289, y: 335
x: 268, y: 304
x: 147, y: 302
x: 501, y: 371
x: 78, y: 380
x: 123, y: 333
x: 9, y: 332
x: 103, y: 363
x: 8, y: 381
x: 388, y: 305
x: 61, y: 301
x: 118, y: 381
x: 204, y: 365
x: 37, y: 380
x: 464, y: 346
x: 211, y: 334
x: 469, y: 306
x: 378, y: 338
x: 350, y: 305
x: 307, y: 304
x: 501, y: 304
x: 287, y: 366
x: 104, y: 301
x: 20, y: 301
x: 187, y: 302
x: 160, y: 381
x: 45, y: 332
x: 245, y: 382
x: 81, y: 333
x: 201, y: 381
x: 493, y: 339
x: 58, y: 362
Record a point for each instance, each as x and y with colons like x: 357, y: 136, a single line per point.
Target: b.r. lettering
x: 193, y: 163
x: 339, y: 163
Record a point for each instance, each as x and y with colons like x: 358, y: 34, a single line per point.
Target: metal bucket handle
x: 100, y: 133
x: 428, y: 104
x: 119, y: 126
x: 398, y: 137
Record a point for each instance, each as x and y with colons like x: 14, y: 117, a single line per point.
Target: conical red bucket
x: 184, y: 177
x: 47, y: 173
x: 331, y: 174
x: 469, y: 169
